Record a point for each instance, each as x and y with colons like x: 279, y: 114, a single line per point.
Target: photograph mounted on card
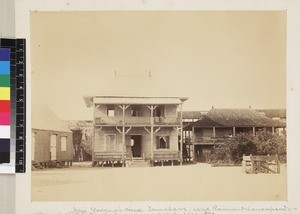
x: 158, y: 106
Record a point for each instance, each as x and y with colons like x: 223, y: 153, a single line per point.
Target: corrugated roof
x: 135, y: 87
x: 44, y: 118
x: 236, y: 118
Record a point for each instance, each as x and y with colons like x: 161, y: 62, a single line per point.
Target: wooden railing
x: 209, y: 140
x: 261, y: 164
x: 166, y: 120
x: 166, y: 155
x: 107, y: 156
x: 137, y: 120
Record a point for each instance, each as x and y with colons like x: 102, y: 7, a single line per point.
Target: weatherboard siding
x: 42, y: 145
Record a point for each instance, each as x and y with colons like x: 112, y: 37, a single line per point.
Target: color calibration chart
x: 12, y: 105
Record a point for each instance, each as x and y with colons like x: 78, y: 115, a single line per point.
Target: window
x: 63, y: 144
x: 136, y: 111
x: 111, y: 110
x: 159, y: 111
x: 162, y: 142
x: 110, y: 142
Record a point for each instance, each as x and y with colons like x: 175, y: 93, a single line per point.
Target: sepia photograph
x: 158, y: 106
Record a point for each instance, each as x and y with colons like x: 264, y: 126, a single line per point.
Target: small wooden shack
x: 51, y: 139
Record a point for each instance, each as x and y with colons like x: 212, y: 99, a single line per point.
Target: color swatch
x: 4, y: 105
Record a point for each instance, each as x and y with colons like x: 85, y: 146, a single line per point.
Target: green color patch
x: 4, y: 80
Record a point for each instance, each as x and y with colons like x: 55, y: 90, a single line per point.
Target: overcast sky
x: 221, y: 59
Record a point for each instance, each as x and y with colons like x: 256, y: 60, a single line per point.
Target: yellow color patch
x: 4, y: 93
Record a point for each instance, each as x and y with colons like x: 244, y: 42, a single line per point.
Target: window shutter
x: 168, y: 142
x: 157, y: 142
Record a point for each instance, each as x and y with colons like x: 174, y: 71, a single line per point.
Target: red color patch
x: 4, y: 105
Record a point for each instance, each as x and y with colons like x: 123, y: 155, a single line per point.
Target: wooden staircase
x: 36, y: 165
x: 139, y: 162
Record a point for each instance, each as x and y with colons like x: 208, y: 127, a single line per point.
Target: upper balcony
x: 136, y: 121
x: 166, y: 121
x: 211, y: 140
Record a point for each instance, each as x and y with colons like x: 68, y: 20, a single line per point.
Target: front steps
x: 139, y: 162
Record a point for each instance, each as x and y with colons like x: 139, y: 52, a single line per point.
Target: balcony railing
x: 137, y: 121
x: 166, y: 121
x: 108, y: 121
x: 210, y: 140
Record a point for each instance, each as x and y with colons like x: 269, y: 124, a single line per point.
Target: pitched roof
x: 135, y: 87
x: 190, y: 114
x: 44, y: 118
x: 273, y: 113
x: 236, y: 118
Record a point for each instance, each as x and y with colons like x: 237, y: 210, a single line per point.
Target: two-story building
x: 218, y: 125
x: 129, y: 128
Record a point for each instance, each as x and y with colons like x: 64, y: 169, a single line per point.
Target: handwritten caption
x: 177, y: 210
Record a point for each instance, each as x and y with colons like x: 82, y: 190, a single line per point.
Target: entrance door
x: 136, y: 146
x: 53, y: 147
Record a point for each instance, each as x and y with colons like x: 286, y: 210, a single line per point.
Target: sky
x: 225, y: 59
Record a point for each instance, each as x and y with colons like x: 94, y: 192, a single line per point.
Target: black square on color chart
x: 4, y: 150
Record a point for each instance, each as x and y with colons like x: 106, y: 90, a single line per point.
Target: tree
x: 241, y: 144
x: 272, y: 144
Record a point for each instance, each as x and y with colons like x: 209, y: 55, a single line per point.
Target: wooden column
x: 151, y: 107
x: 193, y: 142
x: 181, y: 137
x: 214, y: 131
x: 253, y: 131
x: 233, y: 131
x: 123, y: 107
x: 123, y: 136
x: 273, y: 130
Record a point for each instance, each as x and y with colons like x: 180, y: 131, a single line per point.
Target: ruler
x: 18, y: 98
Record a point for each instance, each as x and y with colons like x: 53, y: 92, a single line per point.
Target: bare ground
x: 199, y: 182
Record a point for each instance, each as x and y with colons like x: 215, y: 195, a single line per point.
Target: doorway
x: 136, y: 146
x: 53, y: 147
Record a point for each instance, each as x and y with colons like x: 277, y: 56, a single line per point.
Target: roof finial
x: 212, y: 107
x: 115, y: 73
x: 250, y: 106
x: 150, y: 73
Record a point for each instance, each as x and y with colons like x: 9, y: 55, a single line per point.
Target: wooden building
x: 220, y: 124
x: 51, y: 139
x: 134, y: 124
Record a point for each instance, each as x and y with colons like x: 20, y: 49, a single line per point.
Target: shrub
x: 241, y: 144
x: 272, y: 144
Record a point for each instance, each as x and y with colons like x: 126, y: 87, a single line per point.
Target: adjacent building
x: 218, y: 125
x: 51, y: 139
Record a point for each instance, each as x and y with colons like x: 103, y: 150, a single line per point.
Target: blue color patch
x: 4, y: 54
x: 4, y: 67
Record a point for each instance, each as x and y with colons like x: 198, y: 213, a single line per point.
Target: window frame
x: 138, y: 109
x: 158, y: 144
x: 110, y: 108
x: 114, y: 143
x: 63, y: 149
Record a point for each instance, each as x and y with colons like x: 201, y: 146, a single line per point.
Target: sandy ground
x: 199, y: 182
